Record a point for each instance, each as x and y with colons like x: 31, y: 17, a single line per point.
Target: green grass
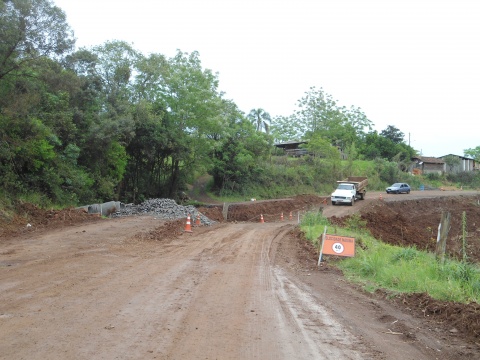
x: 399, y: 270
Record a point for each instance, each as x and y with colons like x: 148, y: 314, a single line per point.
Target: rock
x: 166, y: 209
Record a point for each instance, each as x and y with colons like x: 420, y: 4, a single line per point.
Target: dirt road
x: 112, y: 290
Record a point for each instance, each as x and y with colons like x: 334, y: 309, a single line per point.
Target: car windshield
x: 345, y: 187
x: 396, y: 185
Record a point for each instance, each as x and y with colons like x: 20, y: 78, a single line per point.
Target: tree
x: 238, y: 152
x: 261, y: 119
x: 392, y: 133
x: 322, y: 147
x: 473, y: 152
x: 284, y: 129
x: 31, y: 29
x: 178, y: 118
x: 319, y: 113
x: 451, y: 161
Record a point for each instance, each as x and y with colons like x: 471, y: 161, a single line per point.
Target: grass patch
x: 377, y: 265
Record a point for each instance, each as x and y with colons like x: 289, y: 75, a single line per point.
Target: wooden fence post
x: 443, y: 230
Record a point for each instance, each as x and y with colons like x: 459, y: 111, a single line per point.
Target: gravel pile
x: 166, y: 209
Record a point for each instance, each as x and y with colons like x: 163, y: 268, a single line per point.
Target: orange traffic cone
x: 325, y: 201
x: 261, y: 219
x: 381, y: 198
x: 198, y: 222
x: 290, y: 216
x: 281, y: 216
x: 188, y: 225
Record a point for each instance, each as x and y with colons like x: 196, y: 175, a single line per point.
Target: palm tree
x: 260, y: 118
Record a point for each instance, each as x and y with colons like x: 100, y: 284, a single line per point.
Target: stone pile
x: 166, y: 209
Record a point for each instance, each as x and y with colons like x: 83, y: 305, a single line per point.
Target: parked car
x: 398, y: 188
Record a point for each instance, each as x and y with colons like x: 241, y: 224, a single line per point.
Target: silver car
x: 398, y: 188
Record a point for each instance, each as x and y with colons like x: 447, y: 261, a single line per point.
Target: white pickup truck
x: 349, y: 190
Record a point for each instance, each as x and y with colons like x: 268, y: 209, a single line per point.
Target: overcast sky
x: 413, y: 64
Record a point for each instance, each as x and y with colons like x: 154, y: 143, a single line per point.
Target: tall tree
x: 238, y: 151
x: 319, y: 113
x: 261, y: 119
x: 393, y: 133
x: 178, y: 116
x: 284, y: 129
x: 376, y: 146
x: 31, y: 29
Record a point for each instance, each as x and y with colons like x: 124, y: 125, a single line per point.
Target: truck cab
x: 344, y: 194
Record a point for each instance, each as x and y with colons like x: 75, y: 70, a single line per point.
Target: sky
x: 412, y: 64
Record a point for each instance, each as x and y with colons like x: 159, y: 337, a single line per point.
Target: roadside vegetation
x: 89, y: 125
x: 377, y: 265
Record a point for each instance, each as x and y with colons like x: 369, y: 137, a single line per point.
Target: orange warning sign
x: 339, y: 245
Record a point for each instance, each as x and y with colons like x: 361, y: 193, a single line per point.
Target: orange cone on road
x: 381, y: 198
x: 198, y: 222
x: 188, y: 225
x: 281, y: 216
x: 261, y: 219
x: 290, y: 216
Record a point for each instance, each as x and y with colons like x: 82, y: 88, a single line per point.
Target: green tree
x: 179, y: 117
x: 392, y: 133
x: 452, y: 161
x: 473, y: 153
x: 261, y: 119
x: 238, y: 152
x: 103, y: 111
x: 284, y: 129
x: 377, y: 146
x: 31, y: 29
x: 318, y: 112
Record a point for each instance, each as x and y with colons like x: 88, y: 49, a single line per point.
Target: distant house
x: 428, y: 165
x: 292, y: 148
x: 465, y: 164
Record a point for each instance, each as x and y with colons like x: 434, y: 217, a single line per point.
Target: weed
x: 406, y: 254
x: 355, y: 223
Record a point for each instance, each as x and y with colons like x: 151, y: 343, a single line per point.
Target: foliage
x: 31, y: 30
x: 451, y: 161
x: 401, y: 270
x: 238, y: 152
x: 261, y: 119
x: 319, y: 114
x: 393, y: 134
x: 284, y: 128
x: 377, y: 146
x: 108, y: 122
x: 465, y: 179
x: 473, y: 152
x: 314, y: 224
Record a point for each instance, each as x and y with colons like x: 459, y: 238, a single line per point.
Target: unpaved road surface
x: 246, y: 290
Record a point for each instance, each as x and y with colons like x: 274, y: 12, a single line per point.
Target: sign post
x: 321, y: 246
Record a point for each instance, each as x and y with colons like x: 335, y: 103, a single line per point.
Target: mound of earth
x: 270, y: 210
x: 29, y: 217
x: 415, y: 223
